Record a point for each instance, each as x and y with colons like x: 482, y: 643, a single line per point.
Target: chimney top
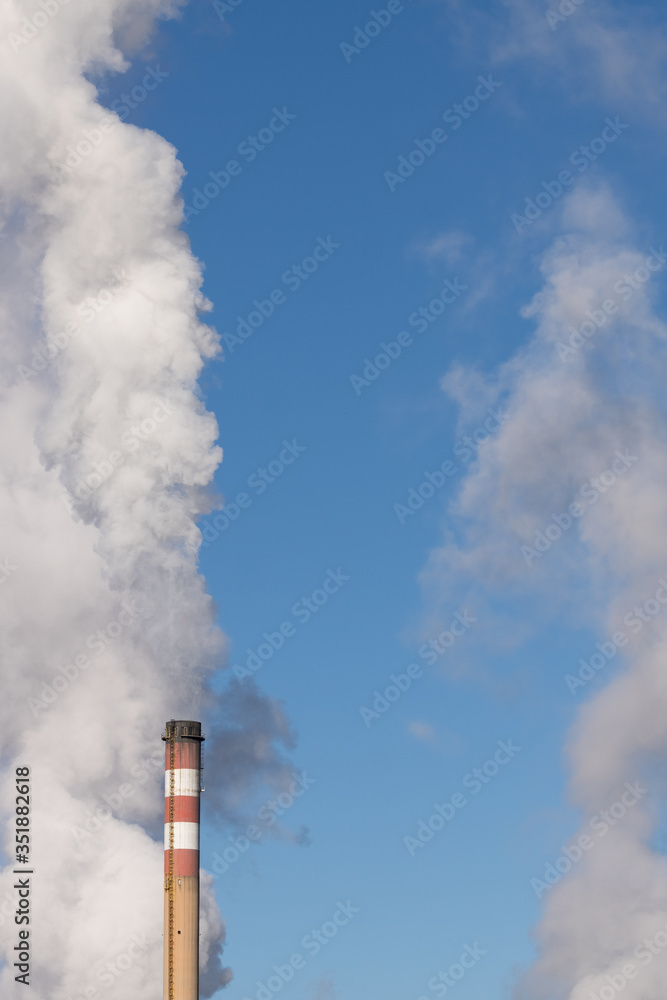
x: 183, y: 729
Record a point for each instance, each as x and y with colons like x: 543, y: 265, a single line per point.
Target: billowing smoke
x: 568, y: 499
x: 105, y: 460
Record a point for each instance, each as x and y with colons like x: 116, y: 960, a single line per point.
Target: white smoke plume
x: 588, y: 388
x: 105, y: 460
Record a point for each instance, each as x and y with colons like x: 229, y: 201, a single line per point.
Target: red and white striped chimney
x: 183, y: 741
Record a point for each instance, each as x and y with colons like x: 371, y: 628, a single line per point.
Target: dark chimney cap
x: 183, y: 729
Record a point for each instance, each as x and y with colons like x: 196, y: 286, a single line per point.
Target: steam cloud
x: 107, y: 628
x: 568, y: 413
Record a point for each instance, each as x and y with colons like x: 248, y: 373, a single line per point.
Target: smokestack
x: 183, y: 741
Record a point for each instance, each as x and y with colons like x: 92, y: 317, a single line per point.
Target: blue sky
x: 321, y: 182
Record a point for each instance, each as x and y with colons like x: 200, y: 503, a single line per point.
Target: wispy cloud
x: 424, y: 732
x: 563, y: 424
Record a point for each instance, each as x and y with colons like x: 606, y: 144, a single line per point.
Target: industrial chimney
x: 183, y: 764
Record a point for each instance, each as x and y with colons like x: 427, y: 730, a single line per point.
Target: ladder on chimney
x: 170, y: 877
